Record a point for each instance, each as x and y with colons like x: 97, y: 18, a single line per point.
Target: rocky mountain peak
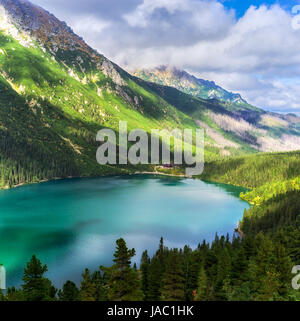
x: 43, y: 26
x: 38, y: 25
x: 182, y: 80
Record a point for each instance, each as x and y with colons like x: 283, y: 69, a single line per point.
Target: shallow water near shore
x: 73, y: 224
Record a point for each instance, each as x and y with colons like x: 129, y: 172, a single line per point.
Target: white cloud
x: 141, y: 16
x: 90, y: 24
x: 257, y: 55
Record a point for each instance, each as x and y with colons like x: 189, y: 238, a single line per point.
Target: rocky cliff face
x: 43, y: 26
x: 181, y: 80
x: 32, y: 24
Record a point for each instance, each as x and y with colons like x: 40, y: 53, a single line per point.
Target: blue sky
x: 246, y: 46
x: 241, y: 6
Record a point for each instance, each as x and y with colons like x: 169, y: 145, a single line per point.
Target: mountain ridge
x: 184, y: 81
x: 235, y: 115
x: 57, y: 92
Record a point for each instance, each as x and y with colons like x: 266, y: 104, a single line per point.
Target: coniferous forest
x: 254, y: 264
x: 248, y: 268
x: 56, y: 93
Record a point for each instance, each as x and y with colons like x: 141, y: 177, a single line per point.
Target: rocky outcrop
x: 38, y: 25
x: 181, y: 80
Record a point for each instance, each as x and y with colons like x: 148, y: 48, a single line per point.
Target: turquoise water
x: 73, y: 224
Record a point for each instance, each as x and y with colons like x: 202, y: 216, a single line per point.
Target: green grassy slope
x: 49, y: 120
x: 57, y: 92
x: 247, y: 126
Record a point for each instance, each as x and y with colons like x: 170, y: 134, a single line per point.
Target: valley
x: 56, y: 93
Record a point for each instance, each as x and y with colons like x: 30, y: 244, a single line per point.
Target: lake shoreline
x: 162, y: 174
x: 156, y: 173
x: 69, y: 216
x: 96, y: 176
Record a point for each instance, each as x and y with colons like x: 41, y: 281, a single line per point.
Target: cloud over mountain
x: 257, y: 55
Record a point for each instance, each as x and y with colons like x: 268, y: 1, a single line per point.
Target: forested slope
x: 57, y: 92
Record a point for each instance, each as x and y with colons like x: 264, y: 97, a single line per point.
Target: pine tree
x: 173, y: 280
x: 123, y: 282
x: 248, y: 245
x: 2, y: 296
x: 145, y: 264
x: 69, y: 292
x: 101, y: 292
x: 283, y: 265
x: 88, y: 288
x: 161, y: 251
x: 227, y: 290
x: 239, y: 267
x: 36, y: 287
x: 295, y: 243
x: 155, y: 280
x: 223, y: 274
x: 156, y: 271
x: 202, y: 285
x: 191, y: 266
x: 14, y: 294
x: 262, y: 271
